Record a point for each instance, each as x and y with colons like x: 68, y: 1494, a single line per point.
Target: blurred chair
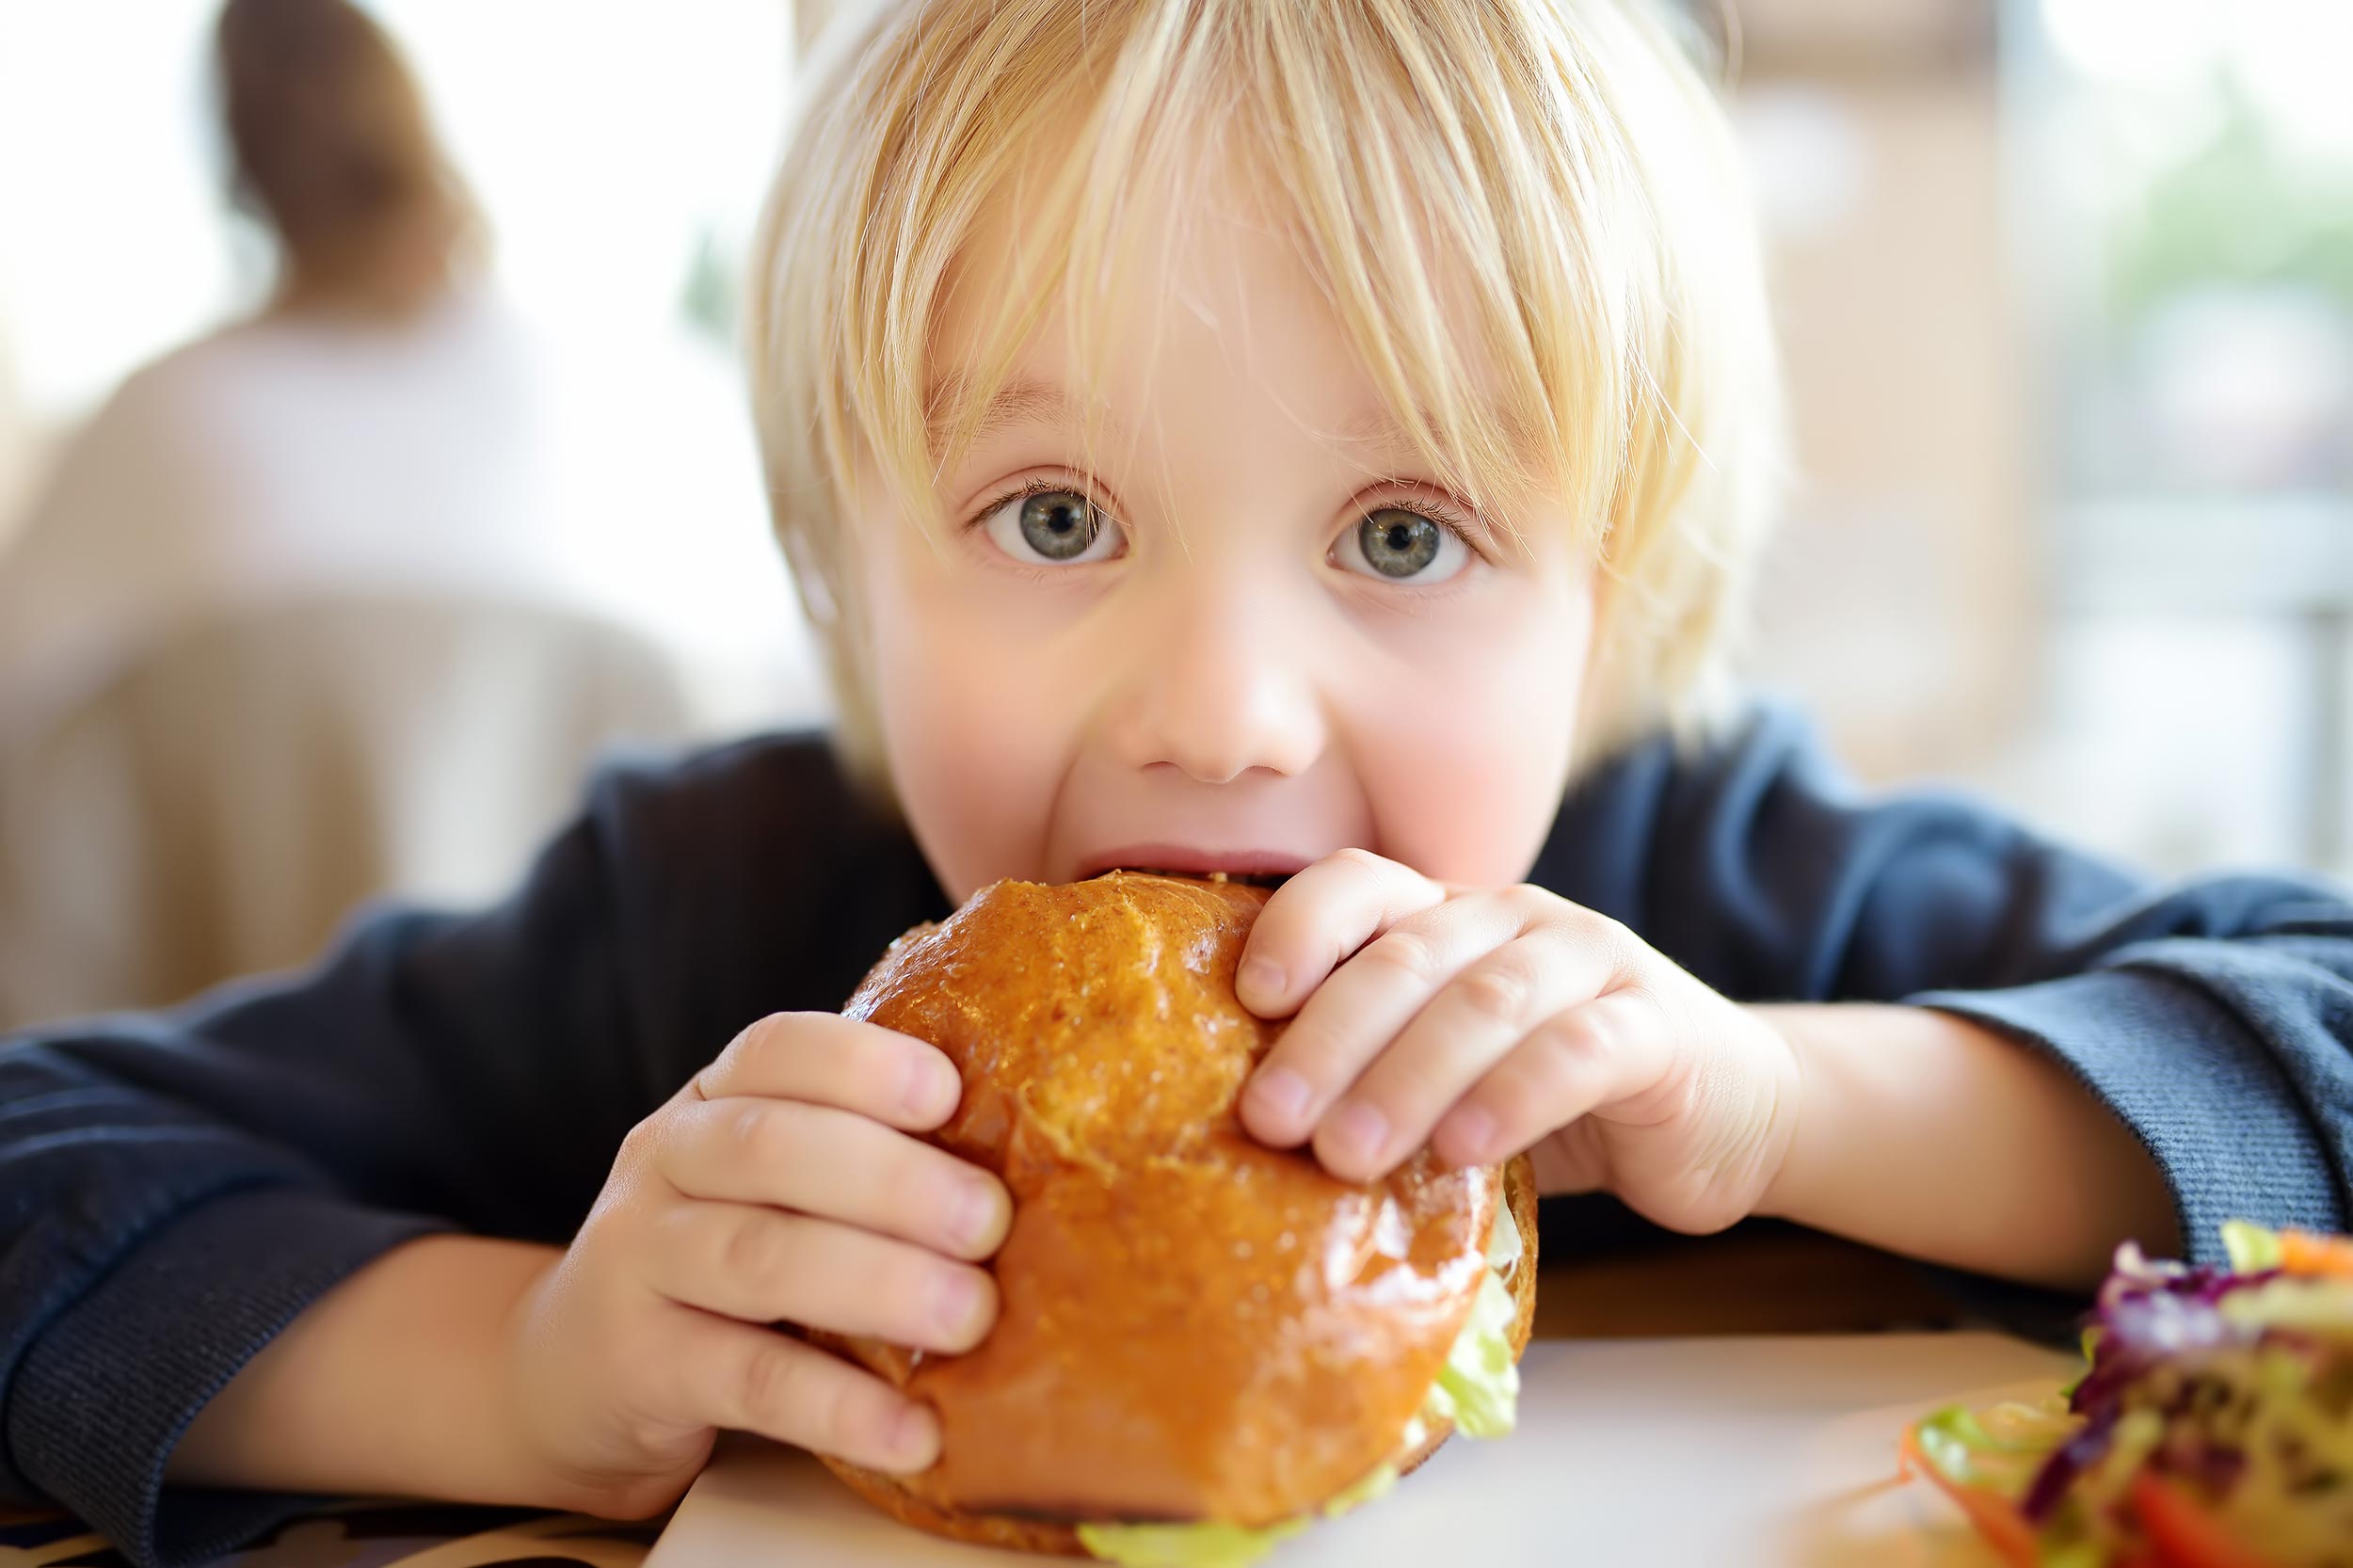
x: 220, y: 805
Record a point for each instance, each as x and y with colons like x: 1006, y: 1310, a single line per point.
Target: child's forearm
x: 1928, y: 1135
x: 394, y: 1382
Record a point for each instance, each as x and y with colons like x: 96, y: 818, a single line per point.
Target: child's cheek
x: 970, y: 721
x: 1463, y: 749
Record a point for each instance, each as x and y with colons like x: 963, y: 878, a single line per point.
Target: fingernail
x: 1474, y: 1131
x: 930, y: 1088
x: 1280, y: 1093
x: 955, y: 1300
x: 910, y: 1436
x: 1262, y: 978
x: 975, y: 1215
x: 1358, y: 1131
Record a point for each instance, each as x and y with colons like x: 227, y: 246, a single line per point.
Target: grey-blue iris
x: 1398, y: 543
x: 1059, y: 524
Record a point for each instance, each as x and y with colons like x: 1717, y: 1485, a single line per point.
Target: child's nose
x: 1218, y: 689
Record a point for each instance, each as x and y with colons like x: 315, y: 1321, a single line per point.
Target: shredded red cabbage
x: 2232, y: 1390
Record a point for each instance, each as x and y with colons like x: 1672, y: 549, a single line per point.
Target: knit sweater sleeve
x: 2213, y: 1016
x: 175, y: 1188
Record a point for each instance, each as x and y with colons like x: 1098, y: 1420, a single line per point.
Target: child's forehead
x: 1047, y: 400
x: 1205, y: 283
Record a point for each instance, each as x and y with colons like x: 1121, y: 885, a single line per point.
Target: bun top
x: 1194, y: 1326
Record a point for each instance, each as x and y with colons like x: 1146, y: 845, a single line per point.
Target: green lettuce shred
x: 2251, y: 1248
x: 2321, y: 1308
x: 1955, y: 1438
x: 2089, y: 1343
x: 1185, y: 1546
x: 1947, y: 1440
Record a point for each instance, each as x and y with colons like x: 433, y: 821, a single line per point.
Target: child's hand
x: 780, y: 1186
x: 1484, y: 1022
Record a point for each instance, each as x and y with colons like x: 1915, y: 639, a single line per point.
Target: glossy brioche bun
x: 1192, y: 1326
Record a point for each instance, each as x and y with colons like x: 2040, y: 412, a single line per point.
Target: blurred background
x: 2066, y: 288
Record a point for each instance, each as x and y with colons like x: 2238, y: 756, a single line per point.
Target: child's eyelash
x: 1445, y: 515
x: 1022, y: 492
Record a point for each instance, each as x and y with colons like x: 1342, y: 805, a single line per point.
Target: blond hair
x: 1529, y: 214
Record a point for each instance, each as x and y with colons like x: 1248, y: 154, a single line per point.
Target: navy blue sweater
x: 175, y: 1188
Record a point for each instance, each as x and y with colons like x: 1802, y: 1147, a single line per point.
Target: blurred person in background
x: 294, y: 621
x: 376, y: 425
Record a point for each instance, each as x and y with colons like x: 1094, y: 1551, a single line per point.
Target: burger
x: 1203, y: 1344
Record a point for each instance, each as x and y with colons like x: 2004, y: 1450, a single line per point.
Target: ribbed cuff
x: 2191, y: 1078
x: 107, y: 1391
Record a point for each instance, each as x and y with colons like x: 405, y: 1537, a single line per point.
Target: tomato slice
x: 2183, y: 1534
x: 1995, y: 1516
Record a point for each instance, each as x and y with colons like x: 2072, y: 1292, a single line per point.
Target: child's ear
x: 820, y: 600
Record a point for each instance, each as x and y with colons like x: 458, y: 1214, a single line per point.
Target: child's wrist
x: 496, y: 1461
x: 1928, y: 1134
x: 395, y: 1383
x: 1778, y: 1197
x: 540, y: 1477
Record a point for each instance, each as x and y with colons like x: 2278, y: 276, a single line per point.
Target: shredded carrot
x: 2311, y: 1252
x: 1995, y: 1516
x: 2183, y: 1532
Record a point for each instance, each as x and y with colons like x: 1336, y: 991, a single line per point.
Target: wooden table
x: 1755, y: 1278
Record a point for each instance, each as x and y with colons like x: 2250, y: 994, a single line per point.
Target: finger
x: 834, y: 1164
x: 1472, y: 1023
x: 1360, y: 1008
x: 750, y: 1378
x: 1615, y: 1053
x: 762, y: 1265
x: 829, y: 1060
x: 1317, y: 918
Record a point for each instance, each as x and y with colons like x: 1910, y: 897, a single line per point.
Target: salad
x: 2213, y: 1428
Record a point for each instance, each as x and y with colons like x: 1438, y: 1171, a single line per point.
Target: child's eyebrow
x: 1373, y: 437
x: 1016, y: 402
x: 1376, y: 426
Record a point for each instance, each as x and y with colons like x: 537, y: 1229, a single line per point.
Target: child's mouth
x: 1255, y: 879
x: 1259, y: 865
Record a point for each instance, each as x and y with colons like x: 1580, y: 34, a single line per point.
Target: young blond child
x: 1311, y: 437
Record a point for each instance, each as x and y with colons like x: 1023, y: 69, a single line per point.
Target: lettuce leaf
x: 1185, y: 1546
x: 1504, y: 1244
x: 1479, y: 1387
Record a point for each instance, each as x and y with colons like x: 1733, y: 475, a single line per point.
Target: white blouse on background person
x: 457, y: 453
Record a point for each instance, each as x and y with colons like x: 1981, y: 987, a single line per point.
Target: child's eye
x: 1399, y: 546
x: 1049, y: 526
